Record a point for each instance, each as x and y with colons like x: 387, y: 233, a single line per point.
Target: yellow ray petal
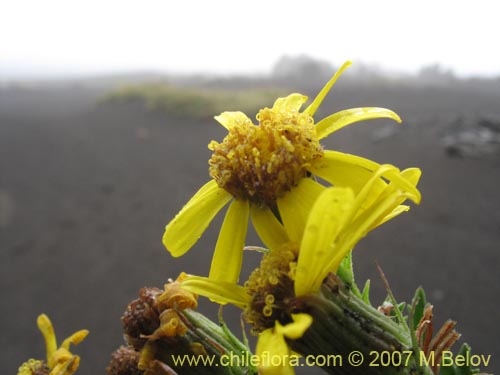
x: 374, y: 191
x: 296, y: 329
x: 395, y: 212
x: 325, y: 221
x: 228, y: 255
x: 45, y: 326
x: 294, y: 207
x: 75, y: 338
x: 190, y: 223
x: 358, y: 229
x: 395, y: 209
x: 292, y: 102
x: 371, y: 206
x: 218, y: 291
x: 229, y: 119
x: 375, y: 215
x: 313, y: 107
x: 344, y: 170
x: 200, y: 194
x: 66, y: 367
x: 271, y: 345
x: 405, y: 181
x: 346, y: 117
x: 270, y: 230
x: 273, y: 353
x: 412, y: 175
x: 351, y: 159
x: 371, y: 191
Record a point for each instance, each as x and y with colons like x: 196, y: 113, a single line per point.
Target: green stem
x: 343, y: 324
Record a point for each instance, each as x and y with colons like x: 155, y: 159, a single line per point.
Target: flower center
x: 261, y: 162
x: 271, y: 288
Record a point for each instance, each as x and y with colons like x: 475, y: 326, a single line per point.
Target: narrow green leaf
x: 465, y: 351
x: 447, y: 370
x: 419, y: 301
x: 346, y: 273
x: 365, y: 295
x: 401, y: 307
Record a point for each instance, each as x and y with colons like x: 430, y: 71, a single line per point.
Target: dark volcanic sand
x: 86, y: 191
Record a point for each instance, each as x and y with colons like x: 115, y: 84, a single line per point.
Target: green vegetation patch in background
x: 191, y: 102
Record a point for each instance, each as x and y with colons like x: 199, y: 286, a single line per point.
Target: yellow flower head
x: 338, y: 219
x: 60, y: 361
x: 261, y: 162
x: 265, y: 170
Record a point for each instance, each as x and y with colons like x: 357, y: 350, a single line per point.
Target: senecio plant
x: 302, y: 302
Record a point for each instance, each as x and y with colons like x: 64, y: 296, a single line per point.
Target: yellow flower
x: 339, y: 218
x: 60, y: 361
x: 266, y: 170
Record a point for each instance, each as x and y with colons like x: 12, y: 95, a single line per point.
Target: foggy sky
x: 224, y: 36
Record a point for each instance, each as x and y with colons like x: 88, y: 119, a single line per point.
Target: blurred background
x: 106, y: 110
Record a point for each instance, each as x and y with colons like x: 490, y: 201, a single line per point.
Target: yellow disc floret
x: 33, y: 367
x: 271, y: 288
x: 261, y: 162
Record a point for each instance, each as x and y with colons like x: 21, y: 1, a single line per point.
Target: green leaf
x: 465, y: 351
x: 419, y: 301
x: 447, y: 370
x: 401, y: 306
x: 463, y: 370
x: 365, y: 295
x: 346, y: 273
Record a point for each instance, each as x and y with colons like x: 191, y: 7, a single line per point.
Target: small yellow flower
x: 339, y: 218
x: 60, y: 361
x: 266, y: 170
